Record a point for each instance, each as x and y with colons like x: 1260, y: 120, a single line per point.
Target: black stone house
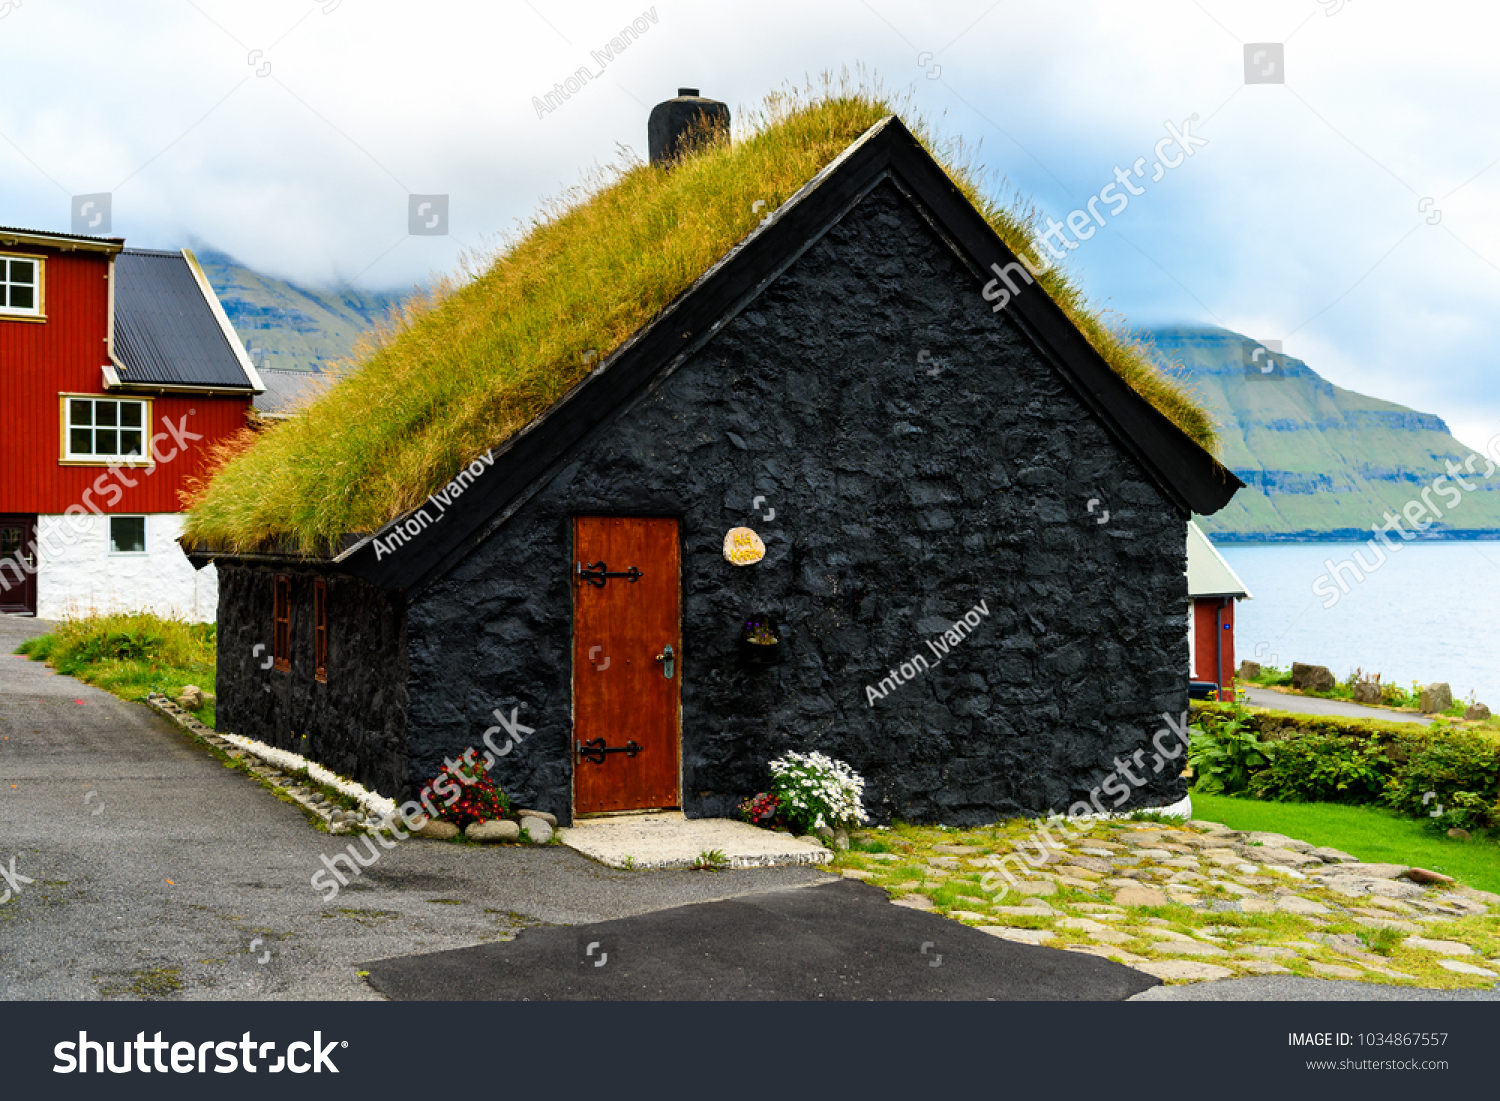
x: 926, y: 473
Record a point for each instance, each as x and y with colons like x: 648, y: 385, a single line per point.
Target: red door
x: 627, y: 663
x: 18, y: 564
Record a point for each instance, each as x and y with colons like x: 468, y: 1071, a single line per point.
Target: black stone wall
x: 355, y: 723
x: 920, y: 457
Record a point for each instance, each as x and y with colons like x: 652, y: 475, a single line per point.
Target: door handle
x: 666, y: 658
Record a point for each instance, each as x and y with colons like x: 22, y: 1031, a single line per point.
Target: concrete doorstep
x: 669, y: 840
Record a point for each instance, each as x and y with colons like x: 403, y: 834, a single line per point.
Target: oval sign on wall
x: 743, y: 547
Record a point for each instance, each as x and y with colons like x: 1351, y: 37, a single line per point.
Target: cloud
x: 1300, y: 221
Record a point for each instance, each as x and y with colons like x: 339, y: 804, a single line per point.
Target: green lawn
x: 1373, y: 834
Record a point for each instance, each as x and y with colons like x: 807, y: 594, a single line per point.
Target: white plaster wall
x: 77, y: 575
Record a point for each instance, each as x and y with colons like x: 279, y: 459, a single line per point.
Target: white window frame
x: 145, y: 535
x: 38, y: 268
x: 69, y: 456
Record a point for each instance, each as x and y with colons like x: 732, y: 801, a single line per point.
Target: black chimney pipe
x: 680, y: 125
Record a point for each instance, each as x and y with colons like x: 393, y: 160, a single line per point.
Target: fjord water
x: 1430, y: 613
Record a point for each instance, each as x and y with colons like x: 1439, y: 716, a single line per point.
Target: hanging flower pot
x: 760, y: 641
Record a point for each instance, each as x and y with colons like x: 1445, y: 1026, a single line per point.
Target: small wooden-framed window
x: 320, y: 629
x: 21, y: 287
x: 282, y: 648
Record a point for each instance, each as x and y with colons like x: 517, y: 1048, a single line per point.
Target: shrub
x: 1223, y: 754
x: 1323, y: 768
x: 464, y: 794
x: 813, y: 791
x: 1461, y: 770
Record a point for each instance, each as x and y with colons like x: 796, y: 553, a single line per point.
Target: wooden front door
x: 626, y: 642
x: 18, y: 564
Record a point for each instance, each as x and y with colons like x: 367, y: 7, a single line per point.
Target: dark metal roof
x: 167, y: 330
x: 284, y: 388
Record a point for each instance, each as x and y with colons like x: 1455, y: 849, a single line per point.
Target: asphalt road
x: 144, y: 867
x: 158, y: 872
x: 1316, y: 705
x: 841, y: 941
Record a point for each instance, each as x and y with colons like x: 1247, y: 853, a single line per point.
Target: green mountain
x: 287, y: 326
x: 1319, y: 461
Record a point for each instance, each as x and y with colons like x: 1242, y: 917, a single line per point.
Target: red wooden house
x: 1213, y: 589
x: 118, y: 370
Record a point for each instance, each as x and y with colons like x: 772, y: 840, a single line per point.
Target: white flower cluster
x: 824, y: 791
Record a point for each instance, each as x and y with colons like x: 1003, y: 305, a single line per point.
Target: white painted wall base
x: 77, y: 575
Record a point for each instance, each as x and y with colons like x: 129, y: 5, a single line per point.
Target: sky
x: 1341, y: 196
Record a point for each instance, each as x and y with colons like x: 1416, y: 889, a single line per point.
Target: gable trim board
x: 1188, y: 475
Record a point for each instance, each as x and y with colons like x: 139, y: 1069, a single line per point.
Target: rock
x: 493, y: 832
x: 1333, y: 971
x: 1436, y: 697
x: 538, y: 829
x: 1184, y: 970
x: 1311, y: 678
x: 1442, y: 947
x: 1288, y: 858
x: 336, y: 816
x: 1187, y: 948
x: 957, y: 850
x: 1422, y: 875
x: 1467, y: 969
x: 1296, y: 904
x: 1367, y: 871
x: 883, y: 857
x: 1092, y: 863
x: 1366, y: 692
x: 823, y: 833
x: 1488, y: 898
x: 841, y: 840
x: 1261, y: 967
x: 1249, y: 670
x: 438, y: 831
x: 1388, y: 923
x: 1460, y: 835
x: 966, y: 915
x: 1035, y: 908
x: 1020, y: 936
x: 1077, y: 873
x: 1236, y: 889
x: 1334, y: 856
x: 855, y: 873
x: 949, y: 863
x: 1256, y: 905
x: 1116, y: 954
x: 192, y: 697
x: 550, y: 819
x: 1140, y: 896
x: 1154, y: 854
x: 914, y: 902
x: 1034, y: 887
x: 1476, y: 712
x: 1261, y: 839
x: 1267, y: 952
